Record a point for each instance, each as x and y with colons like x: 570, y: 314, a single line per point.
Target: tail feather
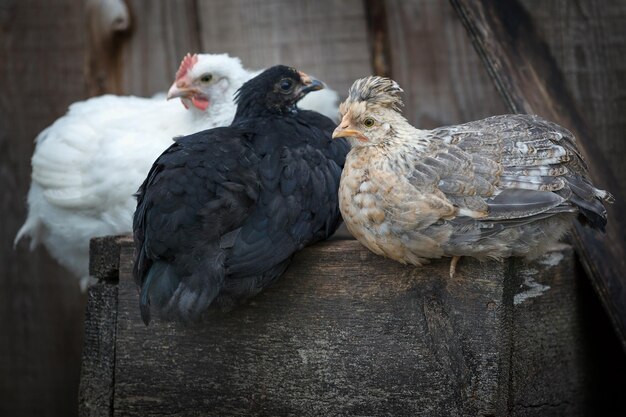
x: 180, y: 297
x: 31, y: 229
x: 589, y: 201
x: 158, y: 288
x: 592, y: 212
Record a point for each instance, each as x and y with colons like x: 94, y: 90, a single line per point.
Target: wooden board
x: 350, y: 333
x: 325, y: 38
x: 587, y: 40
x: 345, y: 332
x: 530, y: 81
x: 41, y: 308
x: 563, y: 339
x: 434, y: 62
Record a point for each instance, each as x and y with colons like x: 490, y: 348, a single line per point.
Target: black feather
x: 222, y: 212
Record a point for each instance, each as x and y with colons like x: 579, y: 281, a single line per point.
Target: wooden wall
x: 41, y: 310
x: 588, y: 42
x: 54, y: 53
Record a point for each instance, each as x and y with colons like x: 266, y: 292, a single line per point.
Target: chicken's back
x: 87, y: 165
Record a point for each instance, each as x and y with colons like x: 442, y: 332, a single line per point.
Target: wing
x: 522, y: 152
x: 298, y: 203
x: 335, y: 149
x: 85, y: 168
x: 99, y: 152
x: 507, y: 170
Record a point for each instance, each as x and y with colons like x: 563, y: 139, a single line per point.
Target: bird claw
x: 453, y: 262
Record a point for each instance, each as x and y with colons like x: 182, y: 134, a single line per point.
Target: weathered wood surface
x: 530, y: 81
x: 41, y: 308
x: 325, y: 38
x: 548, y: 351
x: 562, y: 339
x: 346, y: 332
x: 98, y: 356
x: 434, y: 62
x: 587, y: 40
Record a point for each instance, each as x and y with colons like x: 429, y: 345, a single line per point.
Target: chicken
x: 503, y: 186
x: 222, y: 211
x: 87, y: 165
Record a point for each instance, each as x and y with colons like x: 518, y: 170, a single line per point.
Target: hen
x: 87, y: 165
x: 222, y: 211
x: 503, y: 186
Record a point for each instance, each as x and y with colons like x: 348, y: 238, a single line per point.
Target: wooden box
x: 344, y: 332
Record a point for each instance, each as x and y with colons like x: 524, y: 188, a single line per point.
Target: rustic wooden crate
x: 344, y: 332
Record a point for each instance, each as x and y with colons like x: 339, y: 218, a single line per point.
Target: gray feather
x: 516, y: 203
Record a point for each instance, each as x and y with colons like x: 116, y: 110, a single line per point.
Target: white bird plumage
x: 88, y: 164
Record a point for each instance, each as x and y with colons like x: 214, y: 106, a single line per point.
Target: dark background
x: 53, y: 53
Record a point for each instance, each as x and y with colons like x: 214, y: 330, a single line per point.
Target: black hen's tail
x: 178, y: 292
x: 158, y: 288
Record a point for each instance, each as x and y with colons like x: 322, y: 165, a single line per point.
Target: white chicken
x: 88, y: 164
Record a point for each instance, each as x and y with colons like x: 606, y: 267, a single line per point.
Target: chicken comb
x: 186, y: 64
x: 377, y: 90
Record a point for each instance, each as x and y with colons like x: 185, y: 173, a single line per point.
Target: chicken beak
x: 310, y: 83
x: 180, y: 89
x: 341, y: 132
x: 345, y: 130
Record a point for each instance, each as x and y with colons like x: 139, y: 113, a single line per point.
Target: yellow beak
x: 345, y: 130
x: 341, y: 132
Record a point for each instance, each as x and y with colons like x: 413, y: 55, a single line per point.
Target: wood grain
x: 344, y: 332
x: 41, y: 307
x: 163, y: 32
x: 530, y: 81
x: 434, y: 62
x: 327, y: 38
x: 562, y: 341
x: 588, y: 43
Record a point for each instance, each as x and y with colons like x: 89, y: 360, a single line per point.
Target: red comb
x: 186, y: 64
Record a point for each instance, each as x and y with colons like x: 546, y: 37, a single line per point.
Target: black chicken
x: 222, y: 211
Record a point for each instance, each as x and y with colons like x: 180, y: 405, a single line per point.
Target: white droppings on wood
x: 534, y: 289
x: 551, y: 259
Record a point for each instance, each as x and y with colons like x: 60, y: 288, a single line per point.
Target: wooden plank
x: 378, y: 31
x: 332, y: 46
x: 97, y: 377
x: 547, y: 356
x: 347, y: 332
x: 41, y: 307
x: 325, y: 38
x: 95, y: 395
x: 344, y: 332
x: 565, y: 358
x: 588, y: 42
x: 530, y: 81
x: 163, y: 32
x: 436, y: 65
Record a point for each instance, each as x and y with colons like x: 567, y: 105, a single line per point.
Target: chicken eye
x: 206, y: 78
x: 285, y: 84
x: 368, y: 122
